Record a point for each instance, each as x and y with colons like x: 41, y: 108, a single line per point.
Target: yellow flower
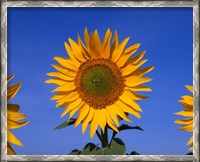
x: 99, y: 80
x: 13, y: 117
x: 187, y: 102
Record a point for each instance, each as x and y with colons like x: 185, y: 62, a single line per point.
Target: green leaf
x: 66, y: 123
x: 75, y: 152
x: 125, y: 127
x: 89, y: 149
x: 103, y: 151
x: 133, y: 153
x: 116, y: 147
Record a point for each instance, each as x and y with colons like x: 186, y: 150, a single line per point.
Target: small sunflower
x: 13, y: 117
x: 100, y: 80
x: 187, y: 102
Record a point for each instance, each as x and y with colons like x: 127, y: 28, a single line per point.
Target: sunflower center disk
x: 99, y: 83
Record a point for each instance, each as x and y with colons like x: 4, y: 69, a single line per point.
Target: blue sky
x: 36, y: 35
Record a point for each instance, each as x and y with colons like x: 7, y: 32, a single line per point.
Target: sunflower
x: 187, y: 102
x: 100, y: 80
x: 13, y: 117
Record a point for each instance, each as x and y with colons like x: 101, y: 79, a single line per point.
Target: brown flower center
x: 99, y: 82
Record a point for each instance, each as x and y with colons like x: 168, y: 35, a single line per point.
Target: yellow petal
x: 141, y: 72
x: 13, y: 124
x: 83, y: 112
x: 15, y: 115
x: 190, y: 140
x: 71, y: 54
x: 106, y: 45
x: 112, y: 113
x: 67, y: 63
x: 72, y: 96
x: 128, y: 109
x: 13, y: 107
x: 185, y: 113
x: 64, y: 70
x: 189, y: 99
x: 190, y: 88
x: 87, y: 119
x: 71, y: 113
x: 86, y: 37
x: 12, y: 90
x: 76, y: 50
x: 125, y: 97
x: 187, y: 104
x: 94, y: 124
x: 121, y: 113
x: 73, y: 105
x: 110, y: 123
x: 134, y: 95
x: 133, y: 81
x: 107, y: 34
x: 128, y: 69
x: 132, y: 49
x: 141, y: 88
x: 57, y: 81
x: 191, y: 147
x: 114, y: 44
x: 65, y: 88
x: 12, y: 139
x: 95, y: 48
x: 85, y: 51
x: 188, y: 128
x: 56, y: 97
x: 131, y: 68
x: 61, y: 76
x: 102, y: 119
x: 135, y: 59
x: 184, y: 121
x: 63, y: 104
x: 10, y: 150
x: 127, y: 54
x: 59, y: 95
x: 10, y: 77
x: 97, y: 39
x: 119, y: 49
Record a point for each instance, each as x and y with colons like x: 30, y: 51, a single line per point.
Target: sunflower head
x: 14, y: 118
x: 100, y: 80
x: 187, y: 102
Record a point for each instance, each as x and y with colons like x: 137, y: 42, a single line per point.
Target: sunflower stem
x: 113, y: 135
x: 98, y: 135
x: 104, y: 137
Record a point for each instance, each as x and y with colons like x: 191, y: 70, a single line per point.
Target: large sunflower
x: 100, y: 80
x: 187, y: 102
x: 13, y: 117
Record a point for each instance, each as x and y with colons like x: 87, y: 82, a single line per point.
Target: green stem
x: 98, y: 135
x: 113, y: 135
x: 104, y: 137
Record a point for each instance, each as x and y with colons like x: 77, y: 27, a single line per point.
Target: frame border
x: 5, y: 4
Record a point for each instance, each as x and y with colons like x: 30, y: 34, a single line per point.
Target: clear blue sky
x: 36, y: 35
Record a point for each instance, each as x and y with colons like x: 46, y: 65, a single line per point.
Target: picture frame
x: 6, y: 4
